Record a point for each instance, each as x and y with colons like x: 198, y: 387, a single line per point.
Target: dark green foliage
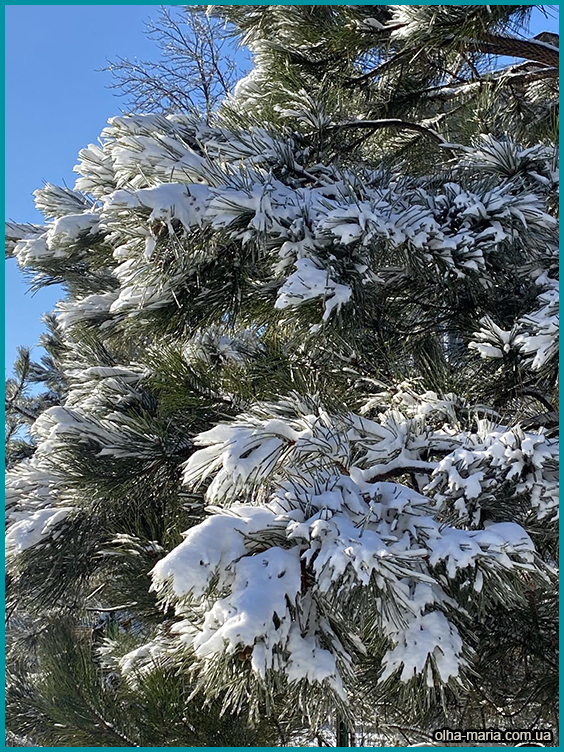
x: 66, y: 699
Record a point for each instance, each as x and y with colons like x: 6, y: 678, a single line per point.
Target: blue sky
x: 57, y: 103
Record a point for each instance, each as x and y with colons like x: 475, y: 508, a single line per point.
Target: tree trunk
x: 343, y: 733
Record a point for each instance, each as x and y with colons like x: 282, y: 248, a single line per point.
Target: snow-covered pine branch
x: 300, y: 524
x: 267, y: 412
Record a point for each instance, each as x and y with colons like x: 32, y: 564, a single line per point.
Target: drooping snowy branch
x: 300, y: 508
x: 534, y: 336
x: 325, y: 234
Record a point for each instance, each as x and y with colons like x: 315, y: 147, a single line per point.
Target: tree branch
x: 11, y: 406
x: 112, y: 608
x: 528, y: 49
x: 491, y: 44
x: 389, y: 123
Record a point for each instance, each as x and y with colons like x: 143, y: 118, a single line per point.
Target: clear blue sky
x: 57, y: 103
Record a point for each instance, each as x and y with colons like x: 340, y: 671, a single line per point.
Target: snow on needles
x: 252, y: 580
x: 320, y: 230
x: 311, y: 509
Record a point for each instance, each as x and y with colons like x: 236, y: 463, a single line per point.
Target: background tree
x: 195, y: 70
x: 340, y: 309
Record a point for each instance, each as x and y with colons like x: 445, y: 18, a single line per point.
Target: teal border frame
x: 263, y: 2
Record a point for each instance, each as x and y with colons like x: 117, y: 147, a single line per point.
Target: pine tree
x: 303, y: 459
